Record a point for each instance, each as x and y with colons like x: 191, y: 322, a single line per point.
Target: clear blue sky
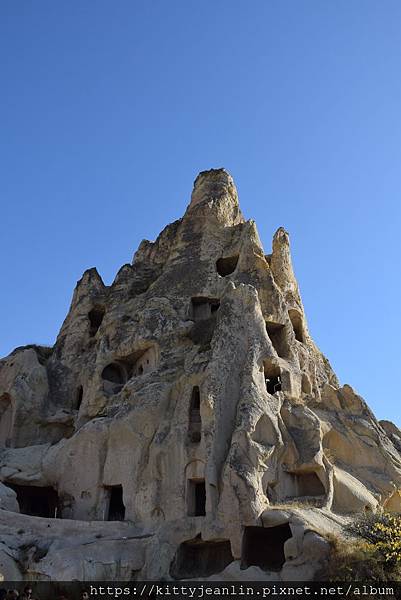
x: 110, y: 109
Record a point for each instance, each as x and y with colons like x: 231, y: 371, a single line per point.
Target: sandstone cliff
x: 185, y: 425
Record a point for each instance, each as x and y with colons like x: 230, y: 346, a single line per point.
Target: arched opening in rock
x: 297, y: 324
x: 117, y: 373
x: 307, y: 484
x: 276, y: 333
x: 37, y: 501
x: 196, y: 558
x: 203, y: 308
x: 227, y: 265
x: 79, y: 394
x: 272, y: 378
x: 115, y: 508
x: 264, y: 547
x: 95, y: 317
x: 195, y: 422
x: 115, y: 377
x: 196, y: 498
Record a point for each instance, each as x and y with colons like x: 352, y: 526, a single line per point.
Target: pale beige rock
x: 192, y: 382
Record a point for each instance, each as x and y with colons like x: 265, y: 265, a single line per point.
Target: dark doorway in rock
x: 79, y: 394
x: 203, y: 308
x: 297, y: 324
x: 114, y: 373
x: 264, y: 547
x: 37, y: 501
x: 196, y: 498
x: 276, y: 333
x: 115, y: 377
x: 227, y: 265
x: 95, y: 317
x: 272, y: 379
x: 196, y: 558
x: 308, y: 484
x: 195, y: 423
x: 115, y: 509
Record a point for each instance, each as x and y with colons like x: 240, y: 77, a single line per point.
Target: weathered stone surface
x: 188, y: 399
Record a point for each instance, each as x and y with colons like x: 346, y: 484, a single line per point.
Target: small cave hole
x: 115, y: 508
x: 37, y: 501
x: 308, y: 484
x: 227, y: 265
x: 196, y: 558
x: 196, y: 498
x: 272, y: 376
x: 297, y: 325
x: 115, y: 377
x: 195, y: 422
x: 276, y: 333
x: 79, y: 394
x: 264, y: 547
x: 203, y: 308
x: 95, y: 317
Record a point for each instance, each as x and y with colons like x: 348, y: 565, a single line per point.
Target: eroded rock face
x: 188, y: 401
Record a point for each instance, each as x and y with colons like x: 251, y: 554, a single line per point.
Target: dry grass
x: 371, y: 553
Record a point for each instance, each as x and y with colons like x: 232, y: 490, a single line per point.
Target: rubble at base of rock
x: 185, y: 425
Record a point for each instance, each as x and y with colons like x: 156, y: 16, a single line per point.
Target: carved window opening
x: 276, y: 333
x: 37, y: 501
x: 116, y: 374
x: 195, y: 422
x: 196, y: 558
x: 264, y: 547
x: 115, y: 377
x: 297, y: 325
x: 273, y: 381
x: 95, y: 317
x: 204, y: 308
x: 227, y: 265
x: 196, y: 498
x: 115, y: 508
x: 308, y: 484
x: 78, y: 397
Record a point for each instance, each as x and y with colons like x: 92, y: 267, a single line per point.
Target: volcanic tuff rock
x: 185, y: 425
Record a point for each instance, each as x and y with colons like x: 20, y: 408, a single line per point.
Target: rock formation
x: 185, y: 425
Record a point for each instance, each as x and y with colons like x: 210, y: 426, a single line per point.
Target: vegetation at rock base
x: 373, y: 551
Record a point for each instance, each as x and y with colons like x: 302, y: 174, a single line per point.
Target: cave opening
x: 115, y: 508
x: 95, y: 317
x: 37, y: 501
x: 196, y: 558
x: 195, y: 422
x: 226, y: 265
x: 273, y: 381
x: 196, y: 498
x: 203, y: 308
x: 297, y: 324
x: 276, y: 333
x: 264, y: 547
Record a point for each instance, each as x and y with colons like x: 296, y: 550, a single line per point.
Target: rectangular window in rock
x: 37, y: 501
x: 276, y: 333
x: 203, y: 308
x: 272, y: 379
x: 196, y: 498
x: 264, y: 547
x: 115, y: 509
x: 195, y: 422
x: 196, y: 558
